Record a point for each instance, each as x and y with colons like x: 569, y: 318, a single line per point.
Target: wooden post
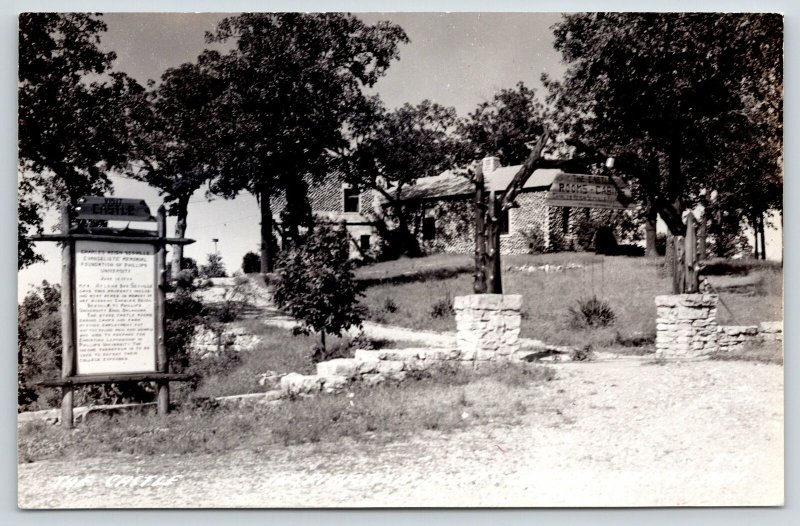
x: 690, y: 257
x: 162, y: 362
x: 67, y: 318
x: 678, y: 274
x: 702, y: 234
x: 479, y: 285
x: 495, y: 282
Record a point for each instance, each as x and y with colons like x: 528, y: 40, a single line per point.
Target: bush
x: 316, y: 284
x: 184, y: 313
x: 214, y: 268
x: 534, y: 239
x: 584, y: 230
x: 591, y: 312
x: 661, y: 244
x: 389, y: 305
x: 39, y: 345
x: 443, y: 308
x: 251, y: 263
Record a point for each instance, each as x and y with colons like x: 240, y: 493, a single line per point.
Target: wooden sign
x: 113, y: 209
x: 115, y: 307
x: 113, y: 301
x: 588, y: 191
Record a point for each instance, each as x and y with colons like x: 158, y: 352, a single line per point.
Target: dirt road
x: 700, y: 433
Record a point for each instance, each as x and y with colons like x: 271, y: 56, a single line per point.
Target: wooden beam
x: 479, y: 285
x: 67, y: 318
x: 523, y: 174
x: 113, y: 239
x: 117, y: 378
x: 162, y: 359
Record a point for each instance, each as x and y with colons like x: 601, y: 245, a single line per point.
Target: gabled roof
x: 447, y: 184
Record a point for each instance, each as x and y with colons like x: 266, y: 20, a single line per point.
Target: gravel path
x: 629, y: 433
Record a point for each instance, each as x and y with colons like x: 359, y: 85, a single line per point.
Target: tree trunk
x: 675, y: 183
x: 763, y: 237
x: 756, y: 253
x: 180, y: 231
x: 294, y: 214
x: 322, y: 341
x: 650, y: 250
x: 267, y: 255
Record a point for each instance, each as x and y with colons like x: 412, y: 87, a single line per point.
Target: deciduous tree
x: 292, y: 80
x: 675, y: 90
x: 504, y: 126
x: 316, y: 283
x: 74, y: 115
x: 390, y: 150
x: 177, y: 142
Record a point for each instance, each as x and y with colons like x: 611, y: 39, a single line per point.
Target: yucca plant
x: 591, y: 312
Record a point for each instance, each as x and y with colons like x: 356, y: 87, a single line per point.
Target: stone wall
x: 488, y: 324
x: 732, y: 337
x: 375, y: 367
x: 686, y: 326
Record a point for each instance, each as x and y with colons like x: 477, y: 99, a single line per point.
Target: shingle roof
x: 448, y: 184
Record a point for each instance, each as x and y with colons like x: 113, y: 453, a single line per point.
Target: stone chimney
x: 490, y: 164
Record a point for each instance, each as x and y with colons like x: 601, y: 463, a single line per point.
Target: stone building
x: 334, y: 201
x: 444, y: 221
x: 441, y: 213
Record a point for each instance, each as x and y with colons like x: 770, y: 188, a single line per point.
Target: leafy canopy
x: 316, y: 283
x: 389, y: 150
x: 74, y: 115
x: 696, y: 96
x: 504, y: 126
x: 176, y: 142
x: 292, y: 80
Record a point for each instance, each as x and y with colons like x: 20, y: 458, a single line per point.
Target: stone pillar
x: 686, y: 325
x: 487, y: 325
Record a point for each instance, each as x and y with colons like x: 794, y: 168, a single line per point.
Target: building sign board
x: 113, y: 209
x: 587, y: 191
x: 115, y: 307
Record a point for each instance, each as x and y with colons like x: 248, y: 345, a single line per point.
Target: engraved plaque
x: 115, y: 296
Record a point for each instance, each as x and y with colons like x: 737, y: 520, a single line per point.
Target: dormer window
x: 351, y: 198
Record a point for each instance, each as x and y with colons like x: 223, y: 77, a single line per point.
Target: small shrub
x: 217, y: 364
x: 316, y: 283
x: 389, y: 305
x: 637, y: 339
x: 251, y: 263
x: 591, y: 312
x: 581, y: 355
x: 534, y: 239
x: 661, y: 244
x: 214, y: 268
x: 443, y: 308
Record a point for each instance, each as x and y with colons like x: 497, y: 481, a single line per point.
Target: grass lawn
x: 627, y: 284
x: 452, y: 400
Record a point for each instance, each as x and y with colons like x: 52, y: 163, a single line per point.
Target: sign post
x: 113, y: 301
x: 588, y: 191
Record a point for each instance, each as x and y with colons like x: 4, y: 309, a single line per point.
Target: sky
x: 454, y: 59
